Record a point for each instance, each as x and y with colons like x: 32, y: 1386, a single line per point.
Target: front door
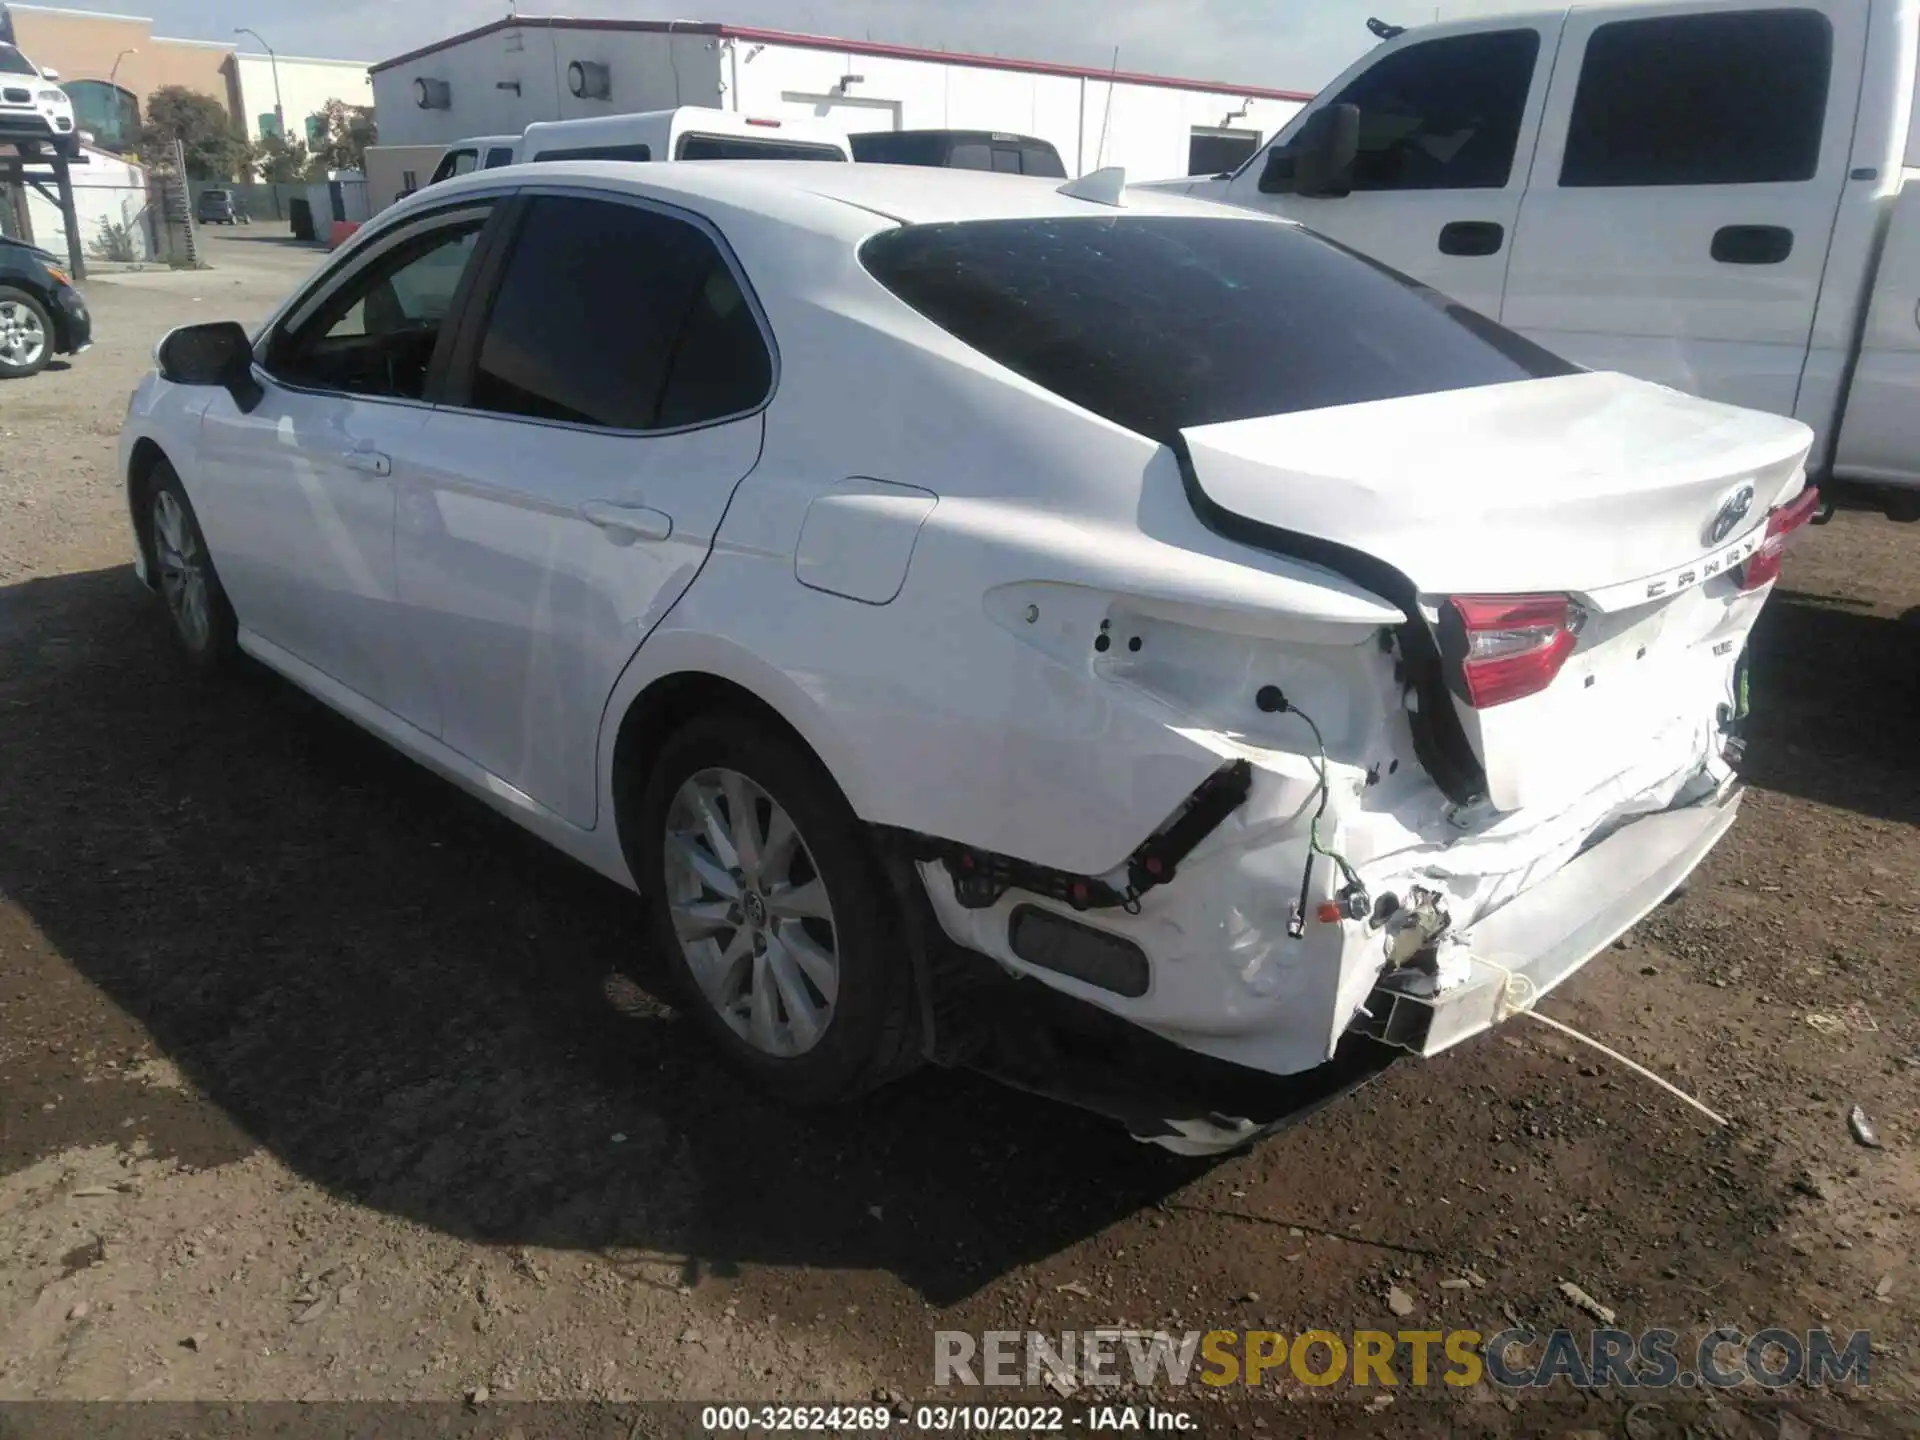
x: 1689, y: 172
x: 610, y: 405
x: 1447, y: 127
x: 299, y: 492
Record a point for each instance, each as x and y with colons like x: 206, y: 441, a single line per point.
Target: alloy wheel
x: 23, y: 339
x: 751, y: 912
x: 183, y: 570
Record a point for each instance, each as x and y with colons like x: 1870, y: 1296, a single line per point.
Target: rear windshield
x: 632, y: 151
x: 12, y: 62
x: 213, y: 194
x: 752, y: 147
x: 1160, y: 323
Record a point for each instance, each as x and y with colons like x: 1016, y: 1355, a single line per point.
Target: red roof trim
x: 849, y: 47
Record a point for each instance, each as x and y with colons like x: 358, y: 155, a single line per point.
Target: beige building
x: 110, y: 64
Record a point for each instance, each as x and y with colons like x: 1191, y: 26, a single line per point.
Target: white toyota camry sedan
x: 938, y: 591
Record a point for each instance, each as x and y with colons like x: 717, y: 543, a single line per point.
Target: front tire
x: 202, y: 621
x: 26, y: 334
x: 772, y: 911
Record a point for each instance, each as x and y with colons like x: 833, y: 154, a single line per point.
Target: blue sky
x: 1287, y: 44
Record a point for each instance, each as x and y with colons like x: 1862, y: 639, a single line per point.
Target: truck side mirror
x: 1318, y: 162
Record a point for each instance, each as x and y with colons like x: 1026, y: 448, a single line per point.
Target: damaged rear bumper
x: 1523, y: 950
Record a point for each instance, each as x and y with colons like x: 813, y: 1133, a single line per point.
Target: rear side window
x: 617, y: 316
x: 751, y: 147
x: 1160, y: 323
x: 499, y: 155
x: 634, y: 151
x: 1738, y: 98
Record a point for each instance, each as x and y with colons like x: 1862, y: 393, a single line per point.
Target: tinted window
x: 1039, y: 158
x: 1159, y: 323
x: 1211, y: 153
x: 634, y: 151
x: 613, y: 315
x: 12, y: 62
x: 1006, y: 159
x: 752, y: 147
x: 887, y: 147
x: 970, y: 155
x: 376, y: 335
x: 1439, y: 115
x: 499, y: 155
x: 1728, y: 99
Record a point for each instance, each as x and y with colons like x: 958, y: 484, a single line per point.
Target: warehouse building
x: 501, y: 77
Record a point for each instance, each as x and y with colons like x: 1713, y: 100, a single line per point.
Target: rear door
x: 1447, y: 127
x: 1690, y: 168
x: 601, y: 407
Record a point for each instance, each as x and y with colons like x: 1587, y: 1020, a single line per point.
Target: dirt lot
x: 316, y: 1081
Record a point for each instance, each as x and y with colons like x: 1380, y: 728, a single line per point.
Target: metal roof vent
x: 432, y: 94
x: 589, y: 80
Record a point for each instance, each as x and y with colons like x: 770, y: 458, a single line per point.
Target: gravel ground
x: 317, y: 1081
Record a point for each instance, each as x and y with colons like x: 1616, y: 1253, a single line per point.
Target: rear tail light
x: 1764, y: 564
x: 1512, y: 646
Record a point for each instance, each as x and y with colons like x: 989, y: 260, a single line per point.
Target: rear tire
x: 182, y: 571
x: 774, y: 916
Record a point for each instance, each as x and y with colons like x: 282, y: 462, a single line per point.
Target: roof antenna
x: 1102, y: 187
x: 1382, y: 30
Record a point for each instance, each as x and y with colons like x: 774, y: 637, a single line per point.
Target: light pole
x: 279, y: 114
x: 116, y: 63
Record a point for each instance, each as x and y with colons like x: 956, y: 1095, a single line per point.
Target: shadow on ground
x: 411, y: 1002
x: 1834, y: 693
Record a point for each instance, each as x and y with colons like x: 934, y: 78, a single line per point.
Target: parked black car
x: 41, y: 314
x: 216, y: 207
x: 961, y: 150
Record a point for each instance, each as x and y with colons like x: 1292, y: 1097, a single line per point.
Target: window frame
x: 462, y: 356
x: 489, y: 208
x: 1823, y: 115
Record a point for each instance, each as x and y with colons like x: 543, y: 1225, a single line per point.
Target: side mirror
x: 218, y: 353
x: 47, y: 72
x: 1318, y: 162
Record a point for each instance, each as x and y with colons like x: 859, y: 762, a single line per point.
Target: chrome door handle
x: 370, y: 462
x: 625, y: 524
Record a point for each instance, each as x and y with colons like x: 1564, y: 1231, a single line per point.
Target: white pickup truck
x: 1722, y: 197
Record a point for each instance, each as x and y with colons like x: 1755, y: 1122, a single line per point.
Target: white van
x: 1722, y: 197
x: 688, y: 133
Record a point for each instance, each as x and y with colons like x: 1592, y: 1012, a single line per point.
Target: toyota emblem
x: 1732, y: 511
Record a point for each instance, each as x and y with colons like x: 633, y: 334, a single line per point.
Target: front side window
x: 617, y: 316
x: 1738, y: 98
x: 1441, y: 115
x: 455, y: 162
x: 751, y: 147
x: 377, y: 333
x: 1160, y: 323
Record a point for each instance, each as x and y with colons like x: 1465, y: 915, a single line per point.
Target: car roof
x: 836, y: 198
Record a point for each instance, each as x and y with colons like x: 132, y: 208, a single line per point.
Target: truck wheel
x: 772, y: 911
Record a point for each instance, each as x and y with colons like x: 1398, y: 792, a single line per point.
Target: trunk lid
x: 1637, y: 501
